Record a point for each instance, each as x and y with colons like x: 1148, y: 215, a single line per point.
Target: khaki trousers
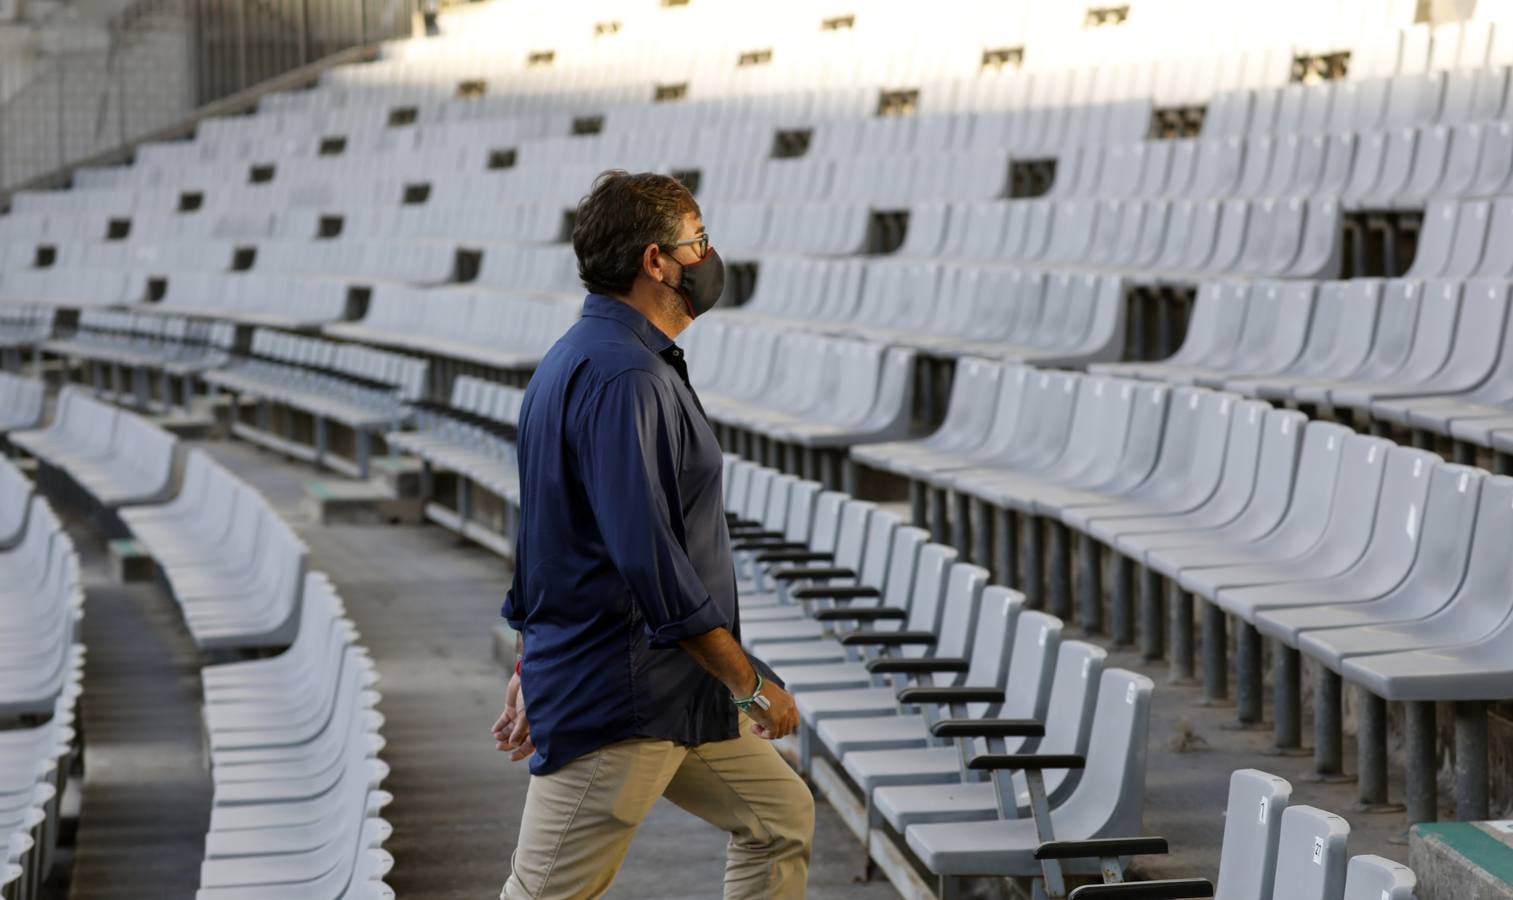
x: 579, y: 820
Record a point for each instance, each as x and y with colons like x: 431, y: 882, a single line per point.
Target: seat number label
x: 1318, y: 851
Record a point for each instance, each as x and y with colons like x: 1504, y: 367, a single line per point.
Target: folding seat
x: 1169, y: 246
x: 1368, y: 165
x: 1106, y: 802
x: 1259, y: 150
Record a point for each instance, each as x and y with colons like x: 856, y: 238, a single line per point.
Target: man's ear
x: 651, y: 262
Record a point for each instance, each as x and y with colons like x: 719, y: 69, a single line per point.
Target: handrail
x: 305, y: 76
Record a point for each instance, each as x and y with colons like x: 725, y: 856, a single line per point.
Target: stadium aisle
x: 425, y: 606
x: 146, y: 794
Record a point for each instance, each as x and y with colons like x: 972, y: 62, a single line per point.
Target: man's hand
x: 779, y: 721
x: 512, y: 733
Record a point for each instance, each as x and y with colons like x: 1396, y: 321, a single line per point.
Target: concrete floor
x: 426, y: 606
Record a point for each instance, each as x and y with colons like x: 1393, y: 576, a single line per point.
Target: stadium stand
x: 1035, y: 337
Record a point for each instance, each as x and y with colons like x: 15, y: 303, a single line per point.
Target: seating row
x: 812, y: 394
x: 1426, y: 357
x: 264, y: 299
x: 123, y: 352
x: 470, y: 439
x: 235, y: 568
x: 916, y: 678
x: 294, y: 742
x: 41, y: 674
x: 121, y: 459
x: 362, y: 390
x: 949, y: 310
x: 1193, y: 493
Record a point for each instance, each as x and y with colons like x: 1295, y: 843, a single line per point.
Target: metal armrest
x: 1101, y: 847
x: 767, y: 544
x: 796, y: 555
x: 920, y: 665
x: 889, y: 638
x: 835, y: 592
x: 823, y: 572
x: 983, y: 728
x: 1026, y: 761
x: 950, y: 695
x: 1173, y: 889
x: 861, y: 614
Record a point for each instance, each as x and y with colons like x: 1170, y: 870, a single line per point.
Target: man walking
x: 625, y: 594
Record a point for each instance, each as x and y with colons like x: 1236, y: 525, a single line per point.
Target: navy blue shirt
x: 623, y: 549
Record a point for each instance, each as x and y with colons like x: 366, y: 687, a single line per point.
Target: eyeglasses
x: 699, y: 243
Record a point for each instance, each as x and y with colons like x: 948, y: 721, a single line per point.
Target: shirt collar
x: 602, y: 307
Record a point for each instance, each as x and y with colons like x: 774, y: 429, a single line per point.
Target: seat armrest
x: 950, y: 695
x: 889, y: 638
x: 1173, y: 889
x: 835, y: 592
x: 921, y: 665
x: 1101, y: 848
x: 861, y: 614
x: 984, y: 728
x: 1026, y: 761
x: 743, y: 531
x: 798, y: 555
x: 801, y: 573
x: 768, y: 545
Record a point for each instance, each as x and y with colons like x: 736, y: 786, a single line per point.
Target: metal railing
x: 86, y: 88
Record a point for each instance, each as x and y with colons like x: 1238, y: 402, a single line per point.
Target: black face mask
x: 702, y: 283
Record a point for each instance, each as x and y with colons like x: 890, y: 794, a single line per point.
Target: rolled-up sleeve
x: 514, y: 606
x: 628, y: 450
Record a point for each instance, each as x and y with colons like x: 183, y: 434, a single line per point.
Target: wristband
x: 756, y: 699
x: 518, y: 663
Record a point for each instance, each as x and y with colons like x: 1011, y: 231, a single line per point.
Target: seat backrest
x: 1252, y: 826
x: 993, y: 640
x: 800, y: 518
x: 964, y: 587
x: 827, y: 519
x: 1073, y: 695
x: 1110, y: 797
x: 926, y: 608
x: 1374, y: 878
x: 1028, y: 665
x: 1311, y: 855
x: 903, y: 561
x: 851, y: 538
x: 878, y: 549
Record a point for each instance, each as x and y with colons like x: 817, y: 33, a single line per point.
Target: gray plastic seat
x: 943, y: 789
x: 1433, y: 339
x: 1276, y: 524
x: 1476, y: 610
x: 1311, y: 855
x: 1339, y: 340
x: 1261, y: 451
x: 1340, y: 542
x: 1107, y: 801
x: 1438, y: 566
x: 1396, y: 526
x: 1375, y: 878
x: 1472, y: 358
